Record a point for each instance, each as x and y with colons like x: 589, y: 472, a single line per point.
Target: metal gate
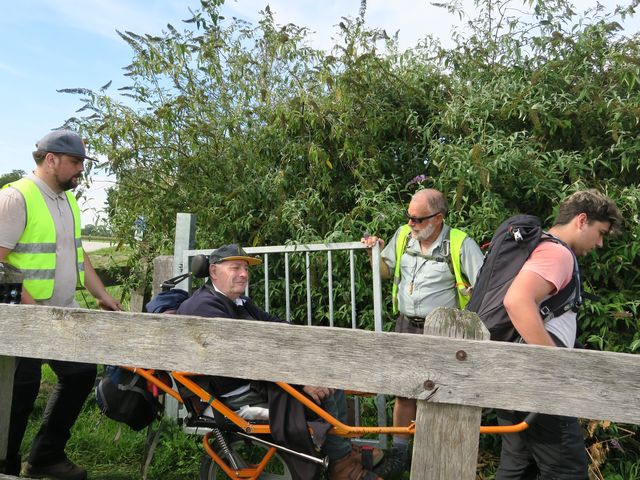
x: 286, y: 257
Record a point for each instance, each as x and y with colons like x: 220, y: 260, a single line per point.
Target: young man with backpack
x: 433, y: 265
x: 553, y: 446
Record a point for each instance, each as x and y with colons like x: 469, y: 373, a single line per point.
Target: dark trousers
x: 335, y: 447
x: 551, y: 448
x: 75, y: 382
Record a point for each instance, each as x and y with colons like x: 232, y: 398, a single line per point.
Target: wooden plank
x: 589, y: 384
x: 162, y: 270
x: 139, y: 298
x: 445, y: 444
x: 7, y: 370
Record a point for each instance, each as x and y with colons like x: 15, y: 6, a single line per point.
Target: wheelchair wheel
x: 245, y: 452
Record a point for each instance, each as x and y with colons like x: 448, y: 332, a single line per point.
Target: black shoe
x: 11, y: 466
x: 63, y: 470
x: 395, y: 463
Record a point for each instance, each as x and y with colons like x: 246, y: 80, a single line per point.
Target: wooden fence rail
x: 458, y: 372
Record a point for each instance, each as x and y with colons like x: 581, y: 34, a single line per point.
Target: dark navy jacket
x: 287, y: 418
x: 206, y: 302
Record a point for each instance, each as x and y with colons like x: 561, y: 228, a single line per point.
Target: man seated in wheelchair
x: 223, y: 296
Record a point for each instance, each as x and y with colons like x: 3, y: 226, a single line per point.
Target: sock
x: 401, y: 444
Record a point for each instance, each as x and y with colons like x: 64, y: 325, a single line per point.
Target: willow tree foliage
x: 271, y: 141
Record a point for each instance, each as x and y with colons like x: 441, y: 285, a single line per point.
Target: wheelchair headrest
x: 200, y: 266
x: 199, y: 269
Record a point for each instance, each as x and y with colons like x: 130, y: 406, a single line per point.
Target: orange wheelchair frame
x: 248, y: 429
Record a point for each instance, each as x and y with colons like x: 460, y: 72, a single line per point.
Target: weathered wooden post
x: 162, y: 270
x: 447, y: 436
x: 10, y: 288
x: 7, y: 370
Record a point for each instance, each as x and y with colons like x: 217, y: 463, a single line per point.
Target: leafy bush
x: 270, y: 141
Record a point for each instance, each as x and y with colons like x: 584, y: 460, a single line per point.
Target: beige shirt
x: 12, y: 224
x: 427, y: 284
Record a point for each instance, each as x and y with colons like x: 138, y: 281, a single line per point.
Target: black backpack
x: 123, y: 396
x: 511, y: 245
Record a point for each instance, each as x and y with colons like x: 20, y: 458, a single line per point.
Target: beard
x: 425, y: 233
x: 69, y: 184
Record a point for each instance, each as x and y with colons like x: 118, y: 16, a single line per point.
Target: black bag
x: 123, y: 396
x: 510, y: 247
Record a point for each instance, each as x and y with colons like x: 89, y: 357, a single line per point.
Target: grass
x: 110, y: 257
x: 85, y: 300
x: 112, y: 451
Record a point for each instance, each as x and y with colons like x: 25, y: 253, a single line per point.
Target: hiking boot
x: 65, y: 469
x: 350, y: 467
x: 395, y: 464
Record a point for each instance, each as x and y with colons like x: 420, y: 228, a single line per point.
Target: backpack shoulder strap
x: 401, y: 243
x: 569, y: 297
x: 456, y: 237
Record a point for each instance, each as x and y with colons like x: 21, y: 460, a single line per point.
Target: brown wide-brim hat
x: 230, y: 252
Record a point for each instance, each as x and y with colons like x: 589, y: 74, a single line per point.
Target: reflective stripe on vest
x: 456, y: 237
x: 35, y: 252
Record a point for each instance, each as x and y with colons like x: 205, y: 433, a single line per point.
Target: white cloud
x: 93, y: 201
x: 11, y: 70
x: 414, y: 19
x: 104, y: 17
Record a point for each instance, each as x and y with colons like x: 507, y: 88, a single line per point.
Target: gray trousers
x: 552, y: 448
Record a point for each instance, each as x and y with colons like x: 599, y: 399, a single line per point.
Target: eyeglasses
x: 420, y: 219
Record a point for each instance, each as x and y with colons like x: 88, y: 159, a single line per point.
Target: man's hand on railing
x: 370, y: 240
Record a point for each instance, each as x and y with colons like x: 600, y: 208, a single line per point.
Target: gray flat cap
x: 63, y: 141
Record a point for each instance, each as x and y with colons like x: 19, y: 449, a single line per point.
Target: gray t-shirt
x: 427, y: 284
x: 12, y: 224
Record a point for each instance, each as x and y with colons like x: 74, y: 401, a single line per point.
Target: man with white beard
x: 438, y: 268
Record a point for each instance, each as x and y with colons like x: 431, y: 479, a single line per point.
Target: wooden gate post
x: 7, y: 370
x: 447, y: 436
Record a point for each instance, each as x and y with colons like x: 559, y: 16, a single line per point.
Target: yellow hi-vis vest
x: 456, y: 237
x: 35, y: 252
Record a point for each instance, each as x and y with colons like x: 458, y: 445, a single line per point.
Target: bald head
x: 433, y: 199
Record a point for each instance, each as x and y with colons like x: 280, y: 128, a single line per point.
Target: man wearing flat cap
x: 223, y: 296
x: 40, y: 235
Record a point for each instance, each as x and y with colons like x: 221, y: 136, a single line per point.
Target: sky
x: 48, y: 45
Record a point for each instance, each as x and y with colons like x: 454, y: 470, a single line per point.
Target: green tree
x: 11, y: 177
x: 271, y: 141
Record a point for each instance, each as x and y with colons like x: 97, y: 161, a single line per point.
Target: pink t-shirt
x: 554, y: 263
